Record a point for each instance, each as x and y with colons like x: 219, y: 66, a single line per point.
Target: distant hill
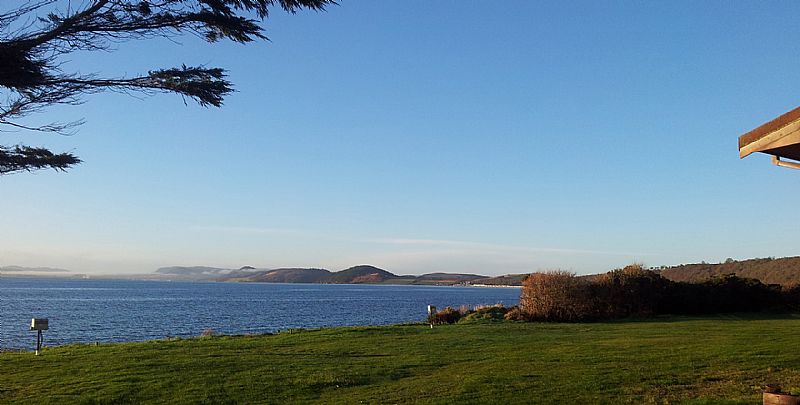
x: 20, y: 269
x: 450, y: 276
x: 784, y: 271
x: 448, y: 279
x: 509, y: 279
x: 293, y: 275
x: 354, y: 275
x: 363, y: 274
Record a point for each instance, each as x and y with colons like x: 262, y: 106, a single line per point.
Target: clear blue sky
x: 457, y: 136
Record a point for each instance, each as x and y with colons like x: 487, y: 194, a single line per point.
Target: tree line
x: 784, y: 271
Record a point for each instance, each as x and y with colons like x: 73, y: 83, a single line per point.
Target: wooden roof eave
x: 780, y: 132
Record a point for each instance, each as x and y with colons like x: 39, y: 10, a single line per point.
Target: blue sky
x: 454, y: 136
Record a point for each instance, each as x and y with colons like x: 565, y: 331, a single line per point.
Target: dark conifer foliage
x: 36, y: 36
x: 26, y: 158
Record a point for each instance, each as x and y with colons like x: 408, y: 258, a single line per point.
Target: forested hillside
x: 784, y: 271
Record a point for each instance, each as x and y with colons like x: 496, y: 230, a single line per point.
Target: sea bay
x: 85, y: 311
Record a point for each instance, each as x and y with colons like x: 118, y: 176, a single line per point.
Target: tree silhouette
x: 35, y: 37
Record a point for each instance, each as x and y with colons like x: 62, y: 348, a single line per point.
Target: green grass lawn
x: 671, y: 360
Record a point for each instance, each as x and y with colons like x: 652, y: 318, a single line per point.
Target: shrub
x: 485, y: 313
x: 556, y: 296
x: 631, y: 291
x: 729, y: 293
x: 465, y: 314
x: 446, y: 315
x: 725, y: 293
x: 791, y: 297
x: 514, y: 314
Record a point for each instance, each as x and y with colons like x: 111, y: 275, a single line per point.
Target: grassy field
x: 670, y: 360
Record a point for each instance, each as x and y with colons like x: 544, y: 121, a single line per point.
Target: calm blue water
x: 114, y: 311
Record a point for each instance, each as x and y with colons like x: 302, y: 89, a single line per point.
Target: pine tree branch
x: 31, y: 52
x: 25, y: 158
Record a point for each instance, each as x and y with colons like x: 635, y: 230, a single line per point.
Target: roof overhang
x: 779, y: 138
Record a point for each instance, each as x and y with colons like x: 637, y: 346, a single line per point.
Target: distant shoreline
x: 148, y: 277
x: 495, y: 285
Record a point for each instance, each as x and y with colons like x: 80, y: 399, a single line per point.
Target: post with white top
x: 39, y: 324
x: 431, y: 313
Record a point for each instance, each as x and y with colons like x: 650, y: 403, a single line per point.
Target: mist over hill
x: 200, y: 273
x: 289, y: 275
x: 21, y: 269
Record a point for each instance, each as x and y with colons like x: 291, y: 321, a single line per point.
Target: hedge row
x: 634, y: 291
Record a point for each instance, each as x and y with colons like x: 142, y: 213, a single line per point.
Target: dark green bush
x: 485, y: 313
x: 446, y: 315
x: 791, y: 297
x: 631, y: 291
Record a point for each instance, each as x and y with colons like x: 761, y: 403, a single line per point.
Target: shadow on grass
x: 735, y: 316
